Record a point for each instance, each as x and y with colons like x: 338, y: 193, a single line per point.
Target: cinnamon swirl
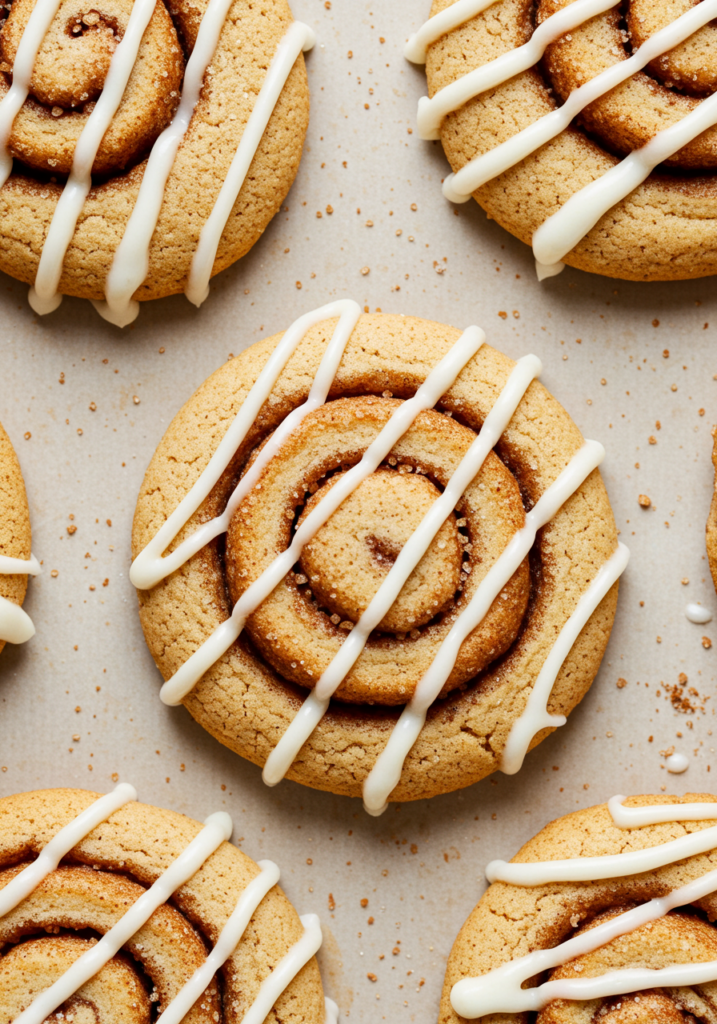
x: 375, y: 555
x: 16, y: 559
x: 584, y: 127
x: 144, y: 147
x: 114, y: 911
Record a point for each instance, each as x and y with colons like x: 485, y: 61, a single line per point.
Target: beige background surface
x: 88, y: 673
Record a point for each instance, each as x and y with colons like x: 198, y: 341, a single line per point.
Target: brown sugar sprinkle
x: 655, y: 323
x: 644, y: 501
x: 370, y: 920
x: 71, y: 529
x: 686, y: 700
x: 364, y: 902
x: 54, y: 573
x: 329, y: 209
x: 28, y: 435
x: 621, y: 683
x: 93, y: 407
x: 135, y: 399
x: 309, y: 860
x: 371, y: 976
x: 332, y: 902
x: 395, y: 950
x: 652, y: 439
x: 706, y: 642
x: 365, y: 271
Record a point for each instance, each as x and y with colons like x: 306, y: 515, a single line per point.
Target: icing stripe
x: 130, y: 264
x: 458, y: 187
x: 43, y: 296
x: 317, y: 703
x: 386, y: 773
x: 16, y: 626
x: 299, y: 37
x: 38, y: 23
x: 562, y: 232
x: 285, y: 971
x: 332, y: 1011
x: 149, y: 567
x: 60, y: 845
x: 501, y: 991
x: 227, y: 942
x: 439, y: 380
x: 535, y: 716
x: 508, y: 65
x: 416, y: 49
x: 635, y: 817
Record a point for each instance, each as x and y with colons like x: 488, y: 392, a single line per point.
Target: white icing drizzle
x: 677, y: 763
x: 227, y: 942
x: 561, y: 232
x: 501, y: 991
x: 149, y: 567
x: 16, y: 626
x: 508, y: 65
x: 698, y: 613
x: 459, y: 187
x: 317, y: 703
x: 217, y: 829
x: 535, y: 716
x: 131, y: 261
x: 416, y: 49
x: 385, y: 774
x: 43, y: 296
x: 299, y: 37
x: 35, y: 31
x: 438, y: 381
x: 60, y: 845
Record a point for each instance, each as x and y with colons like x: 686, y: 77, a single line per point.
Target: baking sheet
x: 619, y: 356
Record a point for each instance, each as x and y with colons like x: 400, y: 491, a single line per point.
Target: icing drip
x: 536, y: 717
x: 436, y: 384
x: 43, y: 296
x: 299, y: 37
x: 316, y: 705
x: 416, y: 49
x: 217, y: 829
x: 385, y: 774
x: 149, y: 567
x: 561, y: 232
x: 451, y: 97
x: 58, y: 847
x: 37, y: 25
x: 16, y: 626
x: 696, y: 613
x: 501, y: 991
x: 677, y: 763
x: 152, y: 565
x: 131, y: 262
x: 227, y: 942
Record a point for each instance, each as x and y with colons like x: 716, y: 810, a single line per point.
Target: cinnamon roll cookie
x: 375, y: 555
x: 16, y: 560
x: 606, y: 915
x: 144, y: 147
x: 584, y: 127
x: 115, y: 912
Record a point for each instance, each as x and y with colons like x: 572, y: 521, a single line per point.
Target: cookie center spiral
x: 354, y: 551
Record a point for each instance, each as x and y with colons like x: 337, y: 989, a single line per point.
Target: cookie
x: 146, y: 178
x: 190, y: 926
x: 581, y: 127
x: 609, y: 911
x: 16, y: 560
x: 322, y: 474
